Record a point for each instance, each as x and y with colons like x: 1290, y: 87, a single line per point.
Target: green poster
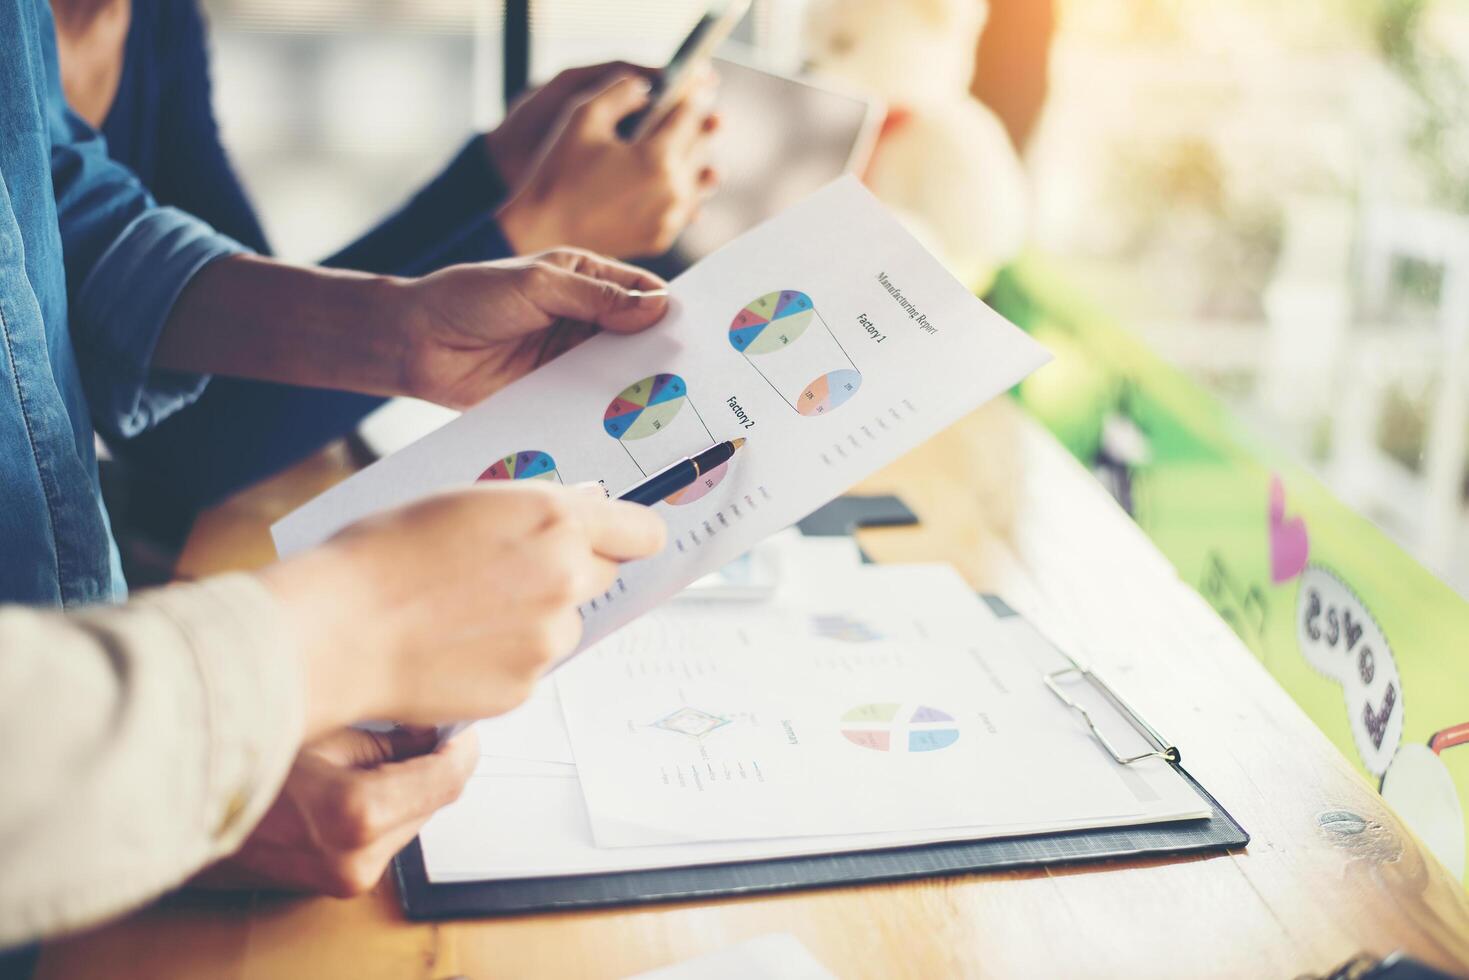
x: 1370, y: 644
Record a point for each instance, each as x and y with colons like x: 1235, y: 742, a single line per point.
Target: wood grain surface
x: 1330, y: 872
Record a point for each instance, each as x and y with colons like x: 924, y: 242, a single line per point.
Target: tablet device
x: 781, y: 138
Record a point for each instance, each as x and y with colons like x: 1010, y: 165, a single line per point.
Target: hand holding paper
x: 452, y: 337
x: 479, y: 327
x: 828, y: 336
x: 510, y: 562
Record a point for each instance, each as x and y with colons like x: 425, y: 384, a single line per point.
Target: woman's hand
x: 514, y: 144
x: 452, y: 607
x: 590, y: 188
x: 472, y: 329
x: 454, y: 336
x: 352, y: 800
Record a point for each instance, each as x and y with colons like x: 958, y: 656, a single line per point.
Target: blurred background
x: 1270, y: 195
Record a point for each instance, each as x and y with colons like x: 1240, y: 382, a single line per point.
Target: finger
x: 413, y: 789
x: 595, y: 577
x: 618, y: 530
x: 606, y: 303
x: 608, y: 104
x: 406, y: 793
x: 351, y: 747
x: 601, y: 267
x: 683, y: 125
x: 462, y: 752
x: 407, y: 741
x: 678, y: 131
x: 590, y: 75
x: 708, y: 181
x: 595, y: 490
x: 574, y: 80
x: 361, y: 748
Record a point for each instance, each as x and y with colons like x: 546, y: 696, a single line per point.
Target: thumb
x: 587, y: 297
x: 606, y: 107
x: 369, y: 748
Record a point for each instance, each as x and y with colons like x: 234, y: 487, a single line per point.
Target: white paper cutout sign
x: 1340, y: 639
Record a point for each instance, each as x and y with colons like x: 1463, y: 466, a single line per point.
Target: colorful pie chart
x: 772, y: 322
x: 645, y: 408
x: 893, y: 727
x: 699, y: 487
x: 829, y: 391
x: 529, y: 464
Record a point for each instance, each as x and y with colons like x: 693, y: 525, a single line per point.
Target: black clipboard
x: 1218, y: 832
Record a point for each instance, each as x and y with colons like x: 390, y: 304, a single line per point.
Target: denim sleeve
x: 127, y: 261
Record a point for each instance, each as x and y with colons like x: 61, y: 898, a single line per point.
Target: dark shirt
x: 162, y: 126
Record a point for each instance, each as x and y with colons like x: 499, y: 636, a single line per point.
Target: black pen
x: 684, y: 473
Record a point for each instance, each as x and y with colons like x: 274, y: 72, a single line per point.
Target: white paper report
x: 828, y: 337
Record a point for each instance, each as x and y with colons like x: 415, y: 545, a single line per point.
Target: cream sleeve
x: 138, y: 743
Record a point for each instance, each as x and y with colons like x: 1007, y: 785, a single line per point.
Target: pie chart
x: 699, y: 487
x: 772, y: 322
x: 894, y: 727
x: 529, y: 464
x: 645, y: 407
x: 829, y: 391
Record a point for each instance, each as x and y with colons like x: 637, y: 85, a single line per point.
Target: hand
x: 452, y: 607
x: 472, y: 329
x: 352, y: 800
x: 515, y: 143
x: 454, y: 336
x: 590, y: 188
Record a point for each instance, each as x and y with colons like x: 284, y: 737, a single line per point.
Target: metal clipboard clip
x: 1161, y: 749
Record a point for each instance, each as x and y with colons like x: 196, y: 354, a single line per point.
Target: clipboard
x: 1118, y: 729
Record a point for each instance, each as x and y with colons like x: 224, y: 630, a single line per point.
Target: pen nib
x: 737, y: 443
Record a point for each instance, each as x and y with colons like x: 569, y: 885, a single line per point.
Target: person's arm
x: 159, y: 300
x: 139, y: 743
x: 142, y: 742
x: 573, y: 181
x: 453, y: 337
x: 452, y: 218
x: 588, y: 187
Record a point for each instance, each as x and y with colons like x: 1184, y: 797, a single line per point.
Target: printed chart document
x: 531, y: 740
x: 827, y: 337
x: 900, y: 687
x: 840, y: 727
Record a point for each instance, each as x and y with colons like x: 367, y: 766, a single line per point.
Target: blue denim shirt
x: 89, y: 268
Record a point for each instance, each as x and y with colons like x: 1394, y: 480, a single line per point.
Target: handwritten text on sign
x: 1339, y: 637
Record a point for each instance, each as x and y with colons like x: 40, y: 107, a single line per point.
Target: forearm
x: 334, y: 607
x: 254, y: 317
x: 148, y: 739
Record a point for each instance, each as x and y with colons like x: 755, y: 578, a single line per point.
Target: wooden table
x: 1330, y: 872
